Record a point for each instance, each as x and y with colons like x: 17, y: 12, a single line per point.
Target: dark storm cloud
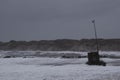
x: 51, y: 19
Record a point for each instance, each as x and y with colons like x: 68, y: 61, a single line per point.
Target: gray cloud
x: 52, y: 19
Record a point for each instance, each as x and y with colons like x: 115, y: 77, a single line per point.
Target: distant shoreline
x: 63, y: 45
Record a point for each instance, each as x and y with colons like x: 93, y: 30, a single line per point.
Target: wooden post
x: 93, y: 57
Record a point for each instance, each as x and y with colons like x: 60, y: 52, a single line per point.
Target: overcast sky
x: 58, y: 19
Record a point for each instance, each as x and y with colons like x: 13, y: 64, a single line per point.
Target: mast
x: 94, y: 25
